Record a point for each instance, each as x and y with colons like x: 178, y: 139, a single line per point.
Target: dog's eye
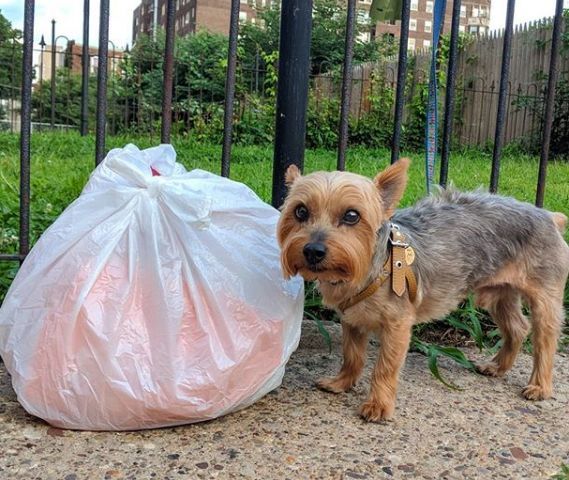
x: 301, y: 213
x: 351, y: 217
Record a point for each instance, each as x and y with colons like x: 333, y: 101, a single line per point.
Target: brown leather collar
x: 397, y: 265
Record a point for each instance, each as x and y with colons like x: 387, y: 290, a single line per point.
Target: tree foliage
x: 10, y: 60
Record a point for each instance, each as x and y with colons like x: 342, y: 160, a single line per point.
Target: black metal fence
x: 291, y: 95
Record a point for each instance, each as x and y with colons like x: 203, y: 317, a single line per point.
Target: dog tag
x: 409, y: 255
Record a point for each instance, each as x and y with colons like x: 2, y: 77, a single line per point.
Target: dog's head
x: 327, y: 230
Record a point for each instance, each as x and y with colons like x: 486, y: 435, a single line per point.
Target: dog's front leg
x: 354, y: 343
x: 394, y: 338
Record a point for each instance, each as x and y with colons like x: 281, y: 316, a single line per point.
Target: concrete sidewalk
x: 485, y: 431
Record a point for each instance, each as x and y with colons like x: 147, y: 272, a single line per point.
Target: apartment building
x: 474, y: 19
x: 192, y: 15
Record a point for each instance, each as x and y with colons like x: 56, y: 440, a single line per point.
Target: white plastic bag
x: 151, y: 301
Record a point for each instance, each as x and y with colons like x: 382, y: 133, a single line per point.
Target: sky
x: 69, y: 17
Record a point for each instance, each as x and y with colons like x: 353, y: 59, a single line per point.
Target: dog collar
x: 397, y: 265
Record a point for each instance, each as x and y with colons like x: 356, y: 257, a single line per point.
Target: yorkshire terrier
x: 384, y: 270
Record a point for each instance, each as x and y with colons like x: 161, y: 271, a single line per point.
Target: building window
x: 426, y: 44
x: 411, y: 44
x: 474, y: 12
x: 242, y: 16
x: 473, y: 29
x: 163, y: 9
x: 363, y: 16
x: 462, y: 28
x: 429, y: 6
x: 415, y: 5
x: 428, y: 26
x: 413, y: 25
x: 187, y: 18
x: 463, y: 11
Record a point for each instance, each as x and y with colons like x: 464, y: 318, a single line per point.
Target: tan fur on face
x: 327, y: 196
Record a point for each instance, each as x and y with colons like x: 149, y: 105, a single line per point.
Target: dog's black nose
x: 314, y: 252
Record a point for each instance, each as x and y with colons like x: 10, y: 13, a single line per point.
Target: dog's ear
x: 391, y: 184
x: 292, y: 175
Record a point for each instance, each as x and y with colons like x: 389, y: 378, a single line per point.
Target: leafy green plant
x: 433, y: 352
x: 467, y: 319
x: 563, y: 474
x: 313, y: 310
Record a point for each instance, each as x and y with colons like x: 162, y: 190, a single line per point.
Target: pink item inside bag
x: 164, y: 305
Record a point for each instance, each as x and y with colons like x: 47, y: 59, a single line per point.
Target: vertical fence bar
x: 500, y: 119
x: 25, y: 128
x: 549, y: 102
x: 168, y: 72
x: 346, y: 85
x: 85, y: 71
x: 52, y: 93
x: 292, y: 93
x: 102, y: 81
x: 401, y: 74
x: 450, y: 93
x: 230, y: 88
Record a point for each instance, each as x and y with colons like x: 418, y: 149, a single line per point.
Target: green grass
x: 61, y: 164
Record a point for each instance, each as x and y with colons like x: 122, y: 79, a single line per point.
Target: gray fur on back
x: 461, y: 239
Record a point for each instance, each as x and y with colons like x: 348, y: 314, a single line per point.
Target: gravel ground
x: 484, y: 431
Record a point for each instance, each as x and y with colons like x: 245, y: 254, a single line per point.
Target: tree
x: 328, y: 36
x: 10, y: 59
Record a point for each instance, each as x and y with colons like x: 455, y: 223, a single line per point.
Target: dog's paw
x: 374, y: 411
x: 536, y: 392
x: 335, y: 384
x: 490, y: 369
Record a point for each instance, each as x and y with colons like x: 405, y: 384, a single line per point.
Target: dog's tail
x: 560, y: 221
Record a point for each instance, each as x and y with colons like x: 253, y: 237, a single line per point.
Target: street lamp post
x: 42, y: 46
x: 54, y: 40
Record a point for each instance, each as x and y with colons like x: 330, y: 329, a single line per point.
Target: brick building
x: 191, y: 15
x: 73, y: 58
x: 70, y: 57
x: 474, y: 18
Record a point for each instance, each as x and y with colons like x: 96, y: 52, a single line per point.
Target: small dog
x: 384, y: 271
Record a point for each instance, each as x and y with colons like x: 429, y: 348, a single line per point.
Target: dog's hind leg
x: 547, y: 318
x: 504, y: 305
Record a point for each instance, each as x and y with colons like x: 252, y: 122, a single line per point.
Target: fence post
x: 25, y: 128
x: 102, y: 81
x: 500, y: 119
x: 549, y: 102
x: 230, y: 88
x: 85, y: 71
x: 346, y: 85
x: 292, y: 93
x: 168, y: 71
x: 450, y: 92
x: 401, y: 74
x: 52, y: 120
